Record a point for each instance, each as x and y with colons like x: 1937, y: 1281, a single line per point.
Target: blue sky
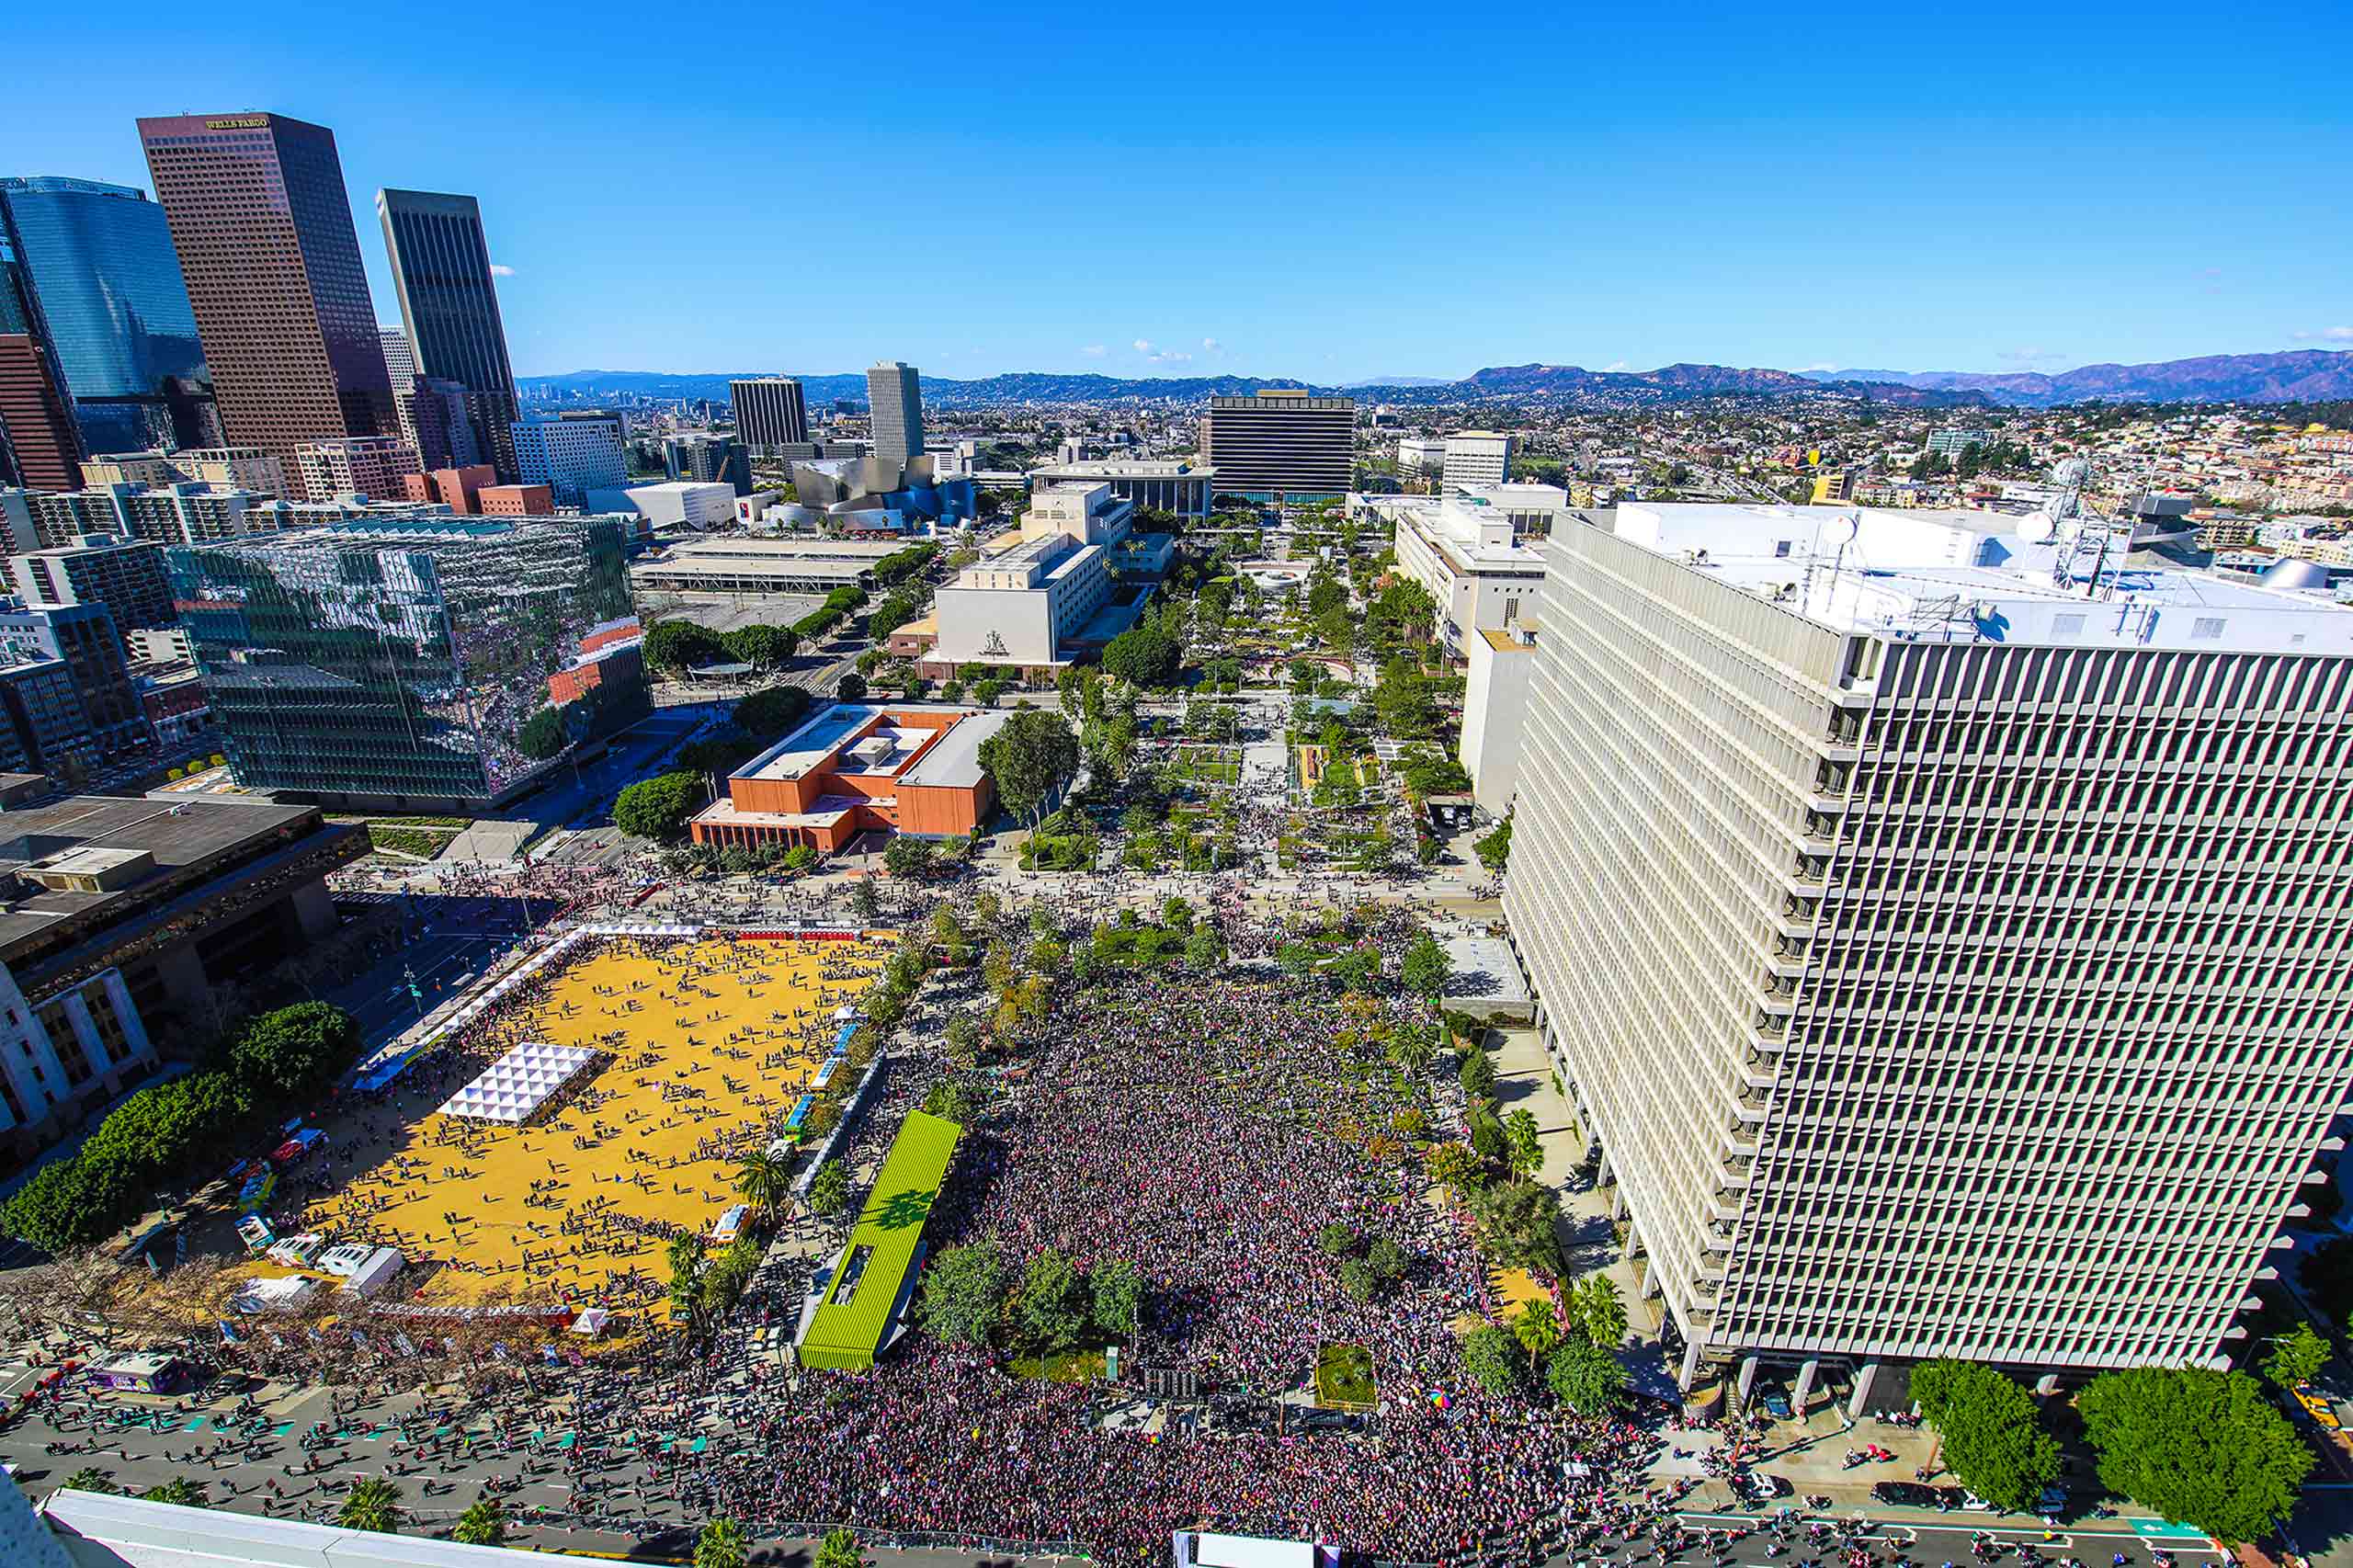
x: 1332, y: 192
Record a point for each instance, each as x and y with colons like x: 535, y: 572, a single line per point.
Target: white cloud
x: 498, y: 271
x: 1143, y: 346
x: 1615, y: 365
x: 1169, y: 356
x: 1212, y: 345
x: 2326, y: 334
x: 1824, y: 365
x: 1095, y: 351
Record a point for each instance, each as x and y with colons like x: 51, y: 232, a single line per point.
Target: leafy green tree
x: 2296, y: 1357
x: 764, y: 647
x: 1336, y: 1240
x: 540, y: 736
x: 1586, y: 1378
x: 90, y: 1479
x: 1478, y: 1074
x: 910, y: 858
x: 1386, y: 1259
x: 1030, y: 757
x: 483, y: 1524
x: 69, y: 1203
x: 1494, y: 850
x: 1357, y: 970
x: 1145, y: 657
x: 1118, y: 1287
x: 1454, y: 1167
x: 1357, y: 1280
x: 1053, y: 1308
x: 1598, y: 1311
x: 829, y: 1189
x: 767, y: 715
x: 864, y: 902
x: 658, y: 808
x: 1989, y: 1431
x: 1203, y: 950
x: 292, y: 1053
x: 852, y: 689
x: 373, y: 1504
x: 1536, y: 1329
x: 675, y: 646
x: 964, y: 1041
x: 180, y: 1490
x: 722, y: 1544
x: 963, y: 1294
x: 1491, y: 1359
x: 1424, y: 969
x: 2201, y: 1447
x: 837, y: 1549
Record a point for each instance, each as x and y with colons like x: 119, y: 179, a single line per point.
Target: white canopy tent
x: 517, y: 1084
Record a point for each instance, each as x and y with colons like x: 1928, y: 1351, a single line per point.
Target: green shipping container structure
x: 863, y: 1299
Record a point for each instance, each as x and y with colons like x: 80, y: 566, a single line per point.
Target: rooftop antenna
x: 1840, y: 531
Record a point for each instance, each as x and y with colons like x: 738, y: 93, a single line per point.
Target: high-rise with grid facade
x: 1950, y: 955
x: 1282, y: 443
x: 261, y: 225
x: 894, y: 395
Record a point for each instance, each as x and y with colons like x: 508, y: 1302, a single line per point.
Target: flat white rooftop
x: 1960, y: 575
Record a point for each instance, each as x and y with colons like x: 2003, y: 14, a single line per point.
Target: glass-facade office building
x: 413, y: 663
x: 102, y: 285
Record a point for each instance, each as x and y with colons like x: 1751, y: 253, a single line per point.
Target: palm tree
x: 180, y: 1489
x: 1600, y: 1310
x: 1537, y: 1330
x: 764, y: 1181
x: 722, y: 1544
x: 372, y: 1505
x: 484, y: 1523
x: 89, y: 1479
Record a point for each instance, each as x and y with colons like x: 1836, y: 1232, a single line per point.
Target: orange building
x: 517, y: 501
x: 855, y: 768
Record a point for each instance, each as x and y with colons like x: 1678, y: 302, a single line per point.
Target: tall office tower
x: 39, y: 447
x: 103, y: 290
x: 894, y: 393
x: 1951, y: 959
x: 437, y: 421
x: 449, y: 304
x: 263, y: 227
x: 400, y: 358
x: 710, y: 460
x: 444, y: 665
x: 769, y: 413
x: 1475, y: 457
x: 572, y: 456
x: 1280, y: 445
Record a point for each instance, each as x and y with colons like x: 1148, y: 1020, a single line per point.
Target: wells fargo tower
x: 263, y: 228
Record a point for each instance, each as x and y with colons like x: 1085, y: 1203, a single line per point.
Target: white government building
x: 1048, y: 586
x: 1473, y: 547
x: 1948, y: 955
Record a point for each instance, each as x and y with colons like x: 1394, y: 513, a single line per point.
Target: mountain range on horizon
x: 2299, y: 375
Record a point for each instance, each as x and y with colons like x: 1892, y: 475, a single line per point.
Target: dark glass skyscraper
x: 450, y: 303
x: 101, y: 285
x: 262, y: 225
x: 423, y: 660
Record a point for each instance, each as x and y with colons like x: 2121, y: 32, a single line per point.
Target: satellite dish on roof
x: 2036, y: 527
x: 1839, y: 529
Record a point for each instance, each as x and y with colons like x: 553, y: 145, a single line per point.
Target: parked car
x: 1903, y: 1494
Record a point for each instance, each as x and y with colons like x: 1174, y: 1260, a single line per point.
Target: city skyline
x: 1934, y: 213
